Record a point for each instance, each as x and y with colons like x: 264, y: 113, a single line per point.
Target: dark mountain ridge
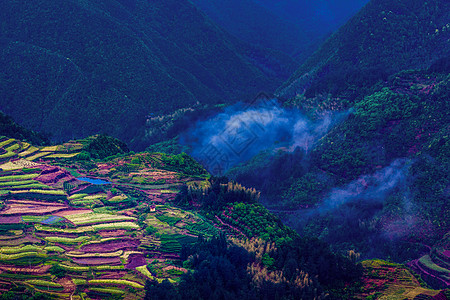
x: 385, y: 37
x: 75, y: 68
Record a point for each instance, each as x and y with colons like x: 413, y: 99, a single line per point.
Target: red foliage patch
x: 10, y: 220
x: 111, y: 246
x: 115, y: 233
x: 135, y: 260
x: 97, y: 261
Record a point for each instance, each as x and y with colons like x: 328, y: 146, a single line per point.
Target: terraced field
x: 435, y: 267
x: 389, y: 281
x: 73, y: 239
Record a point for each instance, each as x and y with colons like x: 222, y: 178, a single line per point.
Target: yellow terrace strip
x: 126, y: 254
x: 12, y: 148
x: 39, y: 155
x: 62, y: 155
x: 4, y: 143
x: 50, y: 149
x: 82, y: 229
x: 116, y: 282
x: 18, y: 164
x: 18, y: 177
x: 88, y: 218
x: 106, y: 254
x: 30, y: 150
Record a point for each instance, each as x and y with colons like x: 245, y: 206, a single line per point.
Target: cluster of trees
x: 282, y: 265
x: 257, y: 269
x: 184, y: 164
x: 11, y: 129
x: 218, y: 193
x: 404, y: 117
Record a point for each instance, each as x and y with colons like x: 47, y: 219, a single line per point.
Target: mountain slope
x: 294, y: 27
x: 385, y: 37
x: 73, y: 68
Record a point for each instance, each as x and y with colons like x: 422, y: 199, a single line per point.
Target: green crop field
x: 91, y: 218
x: 116, y: 282
x: 67, y: 241
x: 18, y: 177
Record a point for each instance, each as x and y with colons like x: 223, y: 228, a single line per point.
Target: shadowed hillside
x: 72, y: 68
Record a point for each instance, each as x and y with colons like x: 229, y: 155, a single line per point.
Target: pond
x: 93, y: 180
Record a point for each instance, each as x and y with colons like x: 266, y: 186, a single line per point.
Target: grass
x: 15, y: 250
x: 117, y: 199
x: 116, y: 282
x: 91, y: 218
x: 109, y: 291
x: 18, y: 177
x: 21, y: 255
x: 12, y: 148
x: 76, y: 196
x: 6, y: 142
x: 50, y: 149
x: 121, y: 225
x: 38, y: 155
x: 168, y: 219
x: 68, y: 241
x: 144, y: 271
x: 7, y: 155
x: 96, y: 268
x: 107, y: 254
x: 27, y: 187
x: 40, y: 227
x: 54, y: 249
x: 15, y: 183
x: 48, y: 192
x: 43, y: 283
x: 33, y: 219
x: 78, y: 281
x: 30, y: 150
x: 428, y: 262
x: 107, y: 268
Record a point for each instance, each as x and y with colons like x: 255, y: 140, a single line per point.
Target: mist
x: 241, y: 131
x: 375, y: 208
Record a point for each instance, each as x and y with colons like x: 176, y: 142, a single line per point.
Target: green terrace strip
x: 7, y: 154
x: 14, y: 183
x: 38, y: 155
x: 44, y: 283
x: 21, y: 255
x: 144, y: 271
x: 64, y: 240
x: 30, y: 150
x: 44, y: 192
x: 14, y: 250
x: 28, y: 186
x: 121, y: 225
x: 76, y: 196
x: 54, y: 249
x: 40, y: 227
x: 4, y: 143
x: 109, y: 291
x: 90, y: 228
x: 13, y: 147
x: 106, y: 254
x: 78, y: 281
x: 62, y: 155
x: 19, y: 177
x: 91, y: 218
x: 116, y: 282
x: 428, y: 262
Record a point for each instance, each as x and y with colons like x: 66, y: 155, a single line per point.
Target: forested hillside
x: 293, y: 27
x: 385, y: 37
x: 73, y: 68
